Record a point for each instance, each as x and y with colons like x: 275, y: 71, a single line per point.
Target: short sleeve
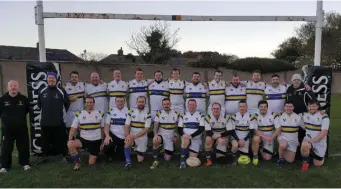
x: 157, y: 117
x: 207, y: 123
x: 277, y: 122
x: 128, y: 119
x: 325, y: 122
x: 107, y: 118
x: 253, y: 122
x: 181, y: 121
x: 148, y: 121
x: 75, y: 122
x: 202, y: 121
x: 301, y: 121
x: 229, y: 125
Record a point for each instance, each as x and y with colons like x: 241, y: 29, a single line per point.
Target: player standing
x: 90, y: 122
x: 266, y: 130
x: 217, y: 128
x: 117, y: 88
x: 196, y: 91
x: 217, y: 91
x: 244, y: 129
x: 316, y: 124
x: 165, y: 125
x: 98, y: 91
x: 138, y: 87
x: 158, y: 90
x: 254, y: 91
x: 135, y: 130
x: 234, y: 93
x: 290, y: 123
x: 275, y: 94
x: 191, y: 125
x: 176, y: 92
x: 75, y: 90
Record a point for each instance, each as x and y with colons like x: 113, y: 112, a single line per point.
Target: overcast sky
x: 107, y: 36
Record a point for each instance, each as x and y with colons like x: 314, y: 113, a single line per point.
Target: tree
x: 290, y: 50
x: 155, y: 43
x: 305, y: 38
x: 92, y: 56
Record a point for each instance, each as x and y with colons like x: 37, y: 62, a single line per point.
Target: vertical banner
x: 36, y: 74
x: 320, y: 80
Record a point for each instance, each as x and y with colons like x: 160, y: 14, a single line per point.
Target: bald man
x: 98, y: 90
x: 13, y: 110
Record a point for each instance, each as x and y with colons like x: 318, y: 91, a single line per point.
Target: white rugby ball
x: 193, y: 161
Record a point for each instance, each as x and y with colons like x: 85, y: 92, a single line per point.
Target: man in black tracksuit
x: 13, y: 110
x: 52, y: 100
x: 299, y: 96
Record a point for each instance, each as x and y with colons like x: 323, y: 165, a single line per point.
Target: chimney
x: 37, y: 45
x: 120, y: 52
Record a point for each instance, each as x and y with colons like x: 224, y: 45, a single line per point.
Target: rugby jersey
x: 157, y: 92
x: 90, y: 124
x: 219, y: 125
x: 232, y: 97
x: 290, y: 125
x: 315, y: 123
x: 266, y: 123
x: 176, y: 92
x: 254, y: 93
x: 98, y: 92
x: 167, y: 122
x: 75, y: 91
x: 242, y: 124
x: 198, y: 93
x: 276, y: 97
x: 117, y: 89
x: 190, y: 122
x: 136, y: 89
x: 138, y: 120
x: 116, y: 118
x: 217, y: 92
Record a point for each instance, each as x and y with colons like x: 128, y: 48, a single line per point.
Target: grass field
x: 57, y: 174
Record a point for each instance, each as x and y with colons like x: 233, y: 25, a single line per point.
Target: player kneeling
x: 217, y: 129
x: 190, y: 127
x: 316, y: 124
x: 288, y: 138
x: 265, y: 123
x: 136, y: 128
x: 167, y: 120
x: 244, y: 130
x: 90, y: 122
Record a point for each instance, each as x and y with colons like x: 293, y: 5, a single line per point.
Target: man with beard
x: 138, y: 87
x: 117, y: 88
x: 158, y: 90
x: 176, y: 92
x: 13, y: 110
x: 234, y: 93
x: 275, y: 94
x: 91, y: 123
x: 75, y: 91
x: 165, y: 125
x: 196, y: 91
x: 98, y: 91
x: 51, y: 101
x: 254, y: 91
x: 217, y: 91
x: 135, y: 130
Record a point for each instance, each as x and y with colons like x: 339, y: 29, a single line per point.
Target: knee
x: 156, y: 140
x: 305, y: 146
x: 184, y: 142
x: 70, y: 144
x: 221, y: 141
x: 282, y: 145
x: 127, y: 143
x: 234, y: 144
x: 208, y: 141
x: 256, y: 139
x: 267, y: 157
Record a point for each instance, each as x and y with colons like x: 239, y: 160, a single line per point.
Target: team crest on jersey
x: 69, y: 89
x: 308, y: 118
x: 270, y: 120
x: 96, y: 117
x: 84, y: 117
x: 153, y: 85
x: 112, y: 85
x: 212, y: 85
x: 284, y: 119
x: 197, y: 119
x: 79, y: 87
x: 56, y: 97
x: 190, y: 89
x: 174, y: 118
x: 270, y: 90
x: 237, y: 121
x: 231, y: 89
x: 295, y: 120
x: 133, y: 116
x: 213, y: 123
x: 260, y: 121
x: 134, y: 83
x: 318, y: 119
x: 20, y: 103
x: 163, y: 118
x: 199, y: 88
x: 186, y: 119
x: 115, y: 114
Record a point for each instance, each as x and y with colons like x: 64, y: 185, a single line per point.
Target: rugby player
x: 158, y: 90
x: 234, y: 93
x: 198, y: 92
x: 316, y: 124
x: 266, y: 124
x: 191, y: 125
x: 254, y: 91
x: 218, y: 128
x: 165, y: 125
x: 275, y: 94
x: 90, y: 122
x: 176, y: 92
x: 98, y: 91
x: 138, y: 87
x: 244, y: 129
x: 75, y: 90
x: 217, y: 91
x: 135, y: 130
x: 289, y: 123
x: 117, y: 88
x: 114, y: 129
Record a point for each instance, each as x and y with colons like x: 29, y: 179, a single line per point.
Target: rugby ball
x: 193, y: 162
x: 244, y: 160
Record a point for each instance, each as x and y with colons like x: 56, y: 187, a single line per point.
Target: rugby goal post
x: 40, y: 15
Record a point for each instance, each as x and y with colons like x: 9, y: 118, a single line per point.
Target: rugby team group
x: 209, y: 118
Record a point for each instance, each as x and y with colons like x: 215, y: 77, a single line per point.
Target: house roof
x: 32, y: 53
x: 124, y: 59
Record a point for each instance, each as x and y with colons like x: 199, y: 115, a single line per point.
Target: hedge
x: 265, y: 65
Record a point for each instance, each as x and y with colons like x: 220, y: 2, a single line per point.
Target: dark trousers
x: 19, y: 135
x: 54, y: 140
x: 116, y: 148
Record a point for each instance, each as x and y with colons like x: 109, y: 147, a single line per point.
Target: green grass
x: 57, y: 174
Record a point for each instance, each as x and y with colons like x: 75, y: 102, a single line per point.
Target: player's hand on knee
x: 216, y: 136
x: 186, y: 136
x: 174, y: 139
x: 241, y: 143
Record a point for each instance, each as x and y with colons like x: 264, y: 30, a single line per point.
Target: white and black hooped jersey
x: 90, y: 124
x: 76, y: 91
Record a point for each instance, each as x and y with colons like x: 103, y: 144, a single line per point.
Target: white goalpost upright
x: 40, y: 15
